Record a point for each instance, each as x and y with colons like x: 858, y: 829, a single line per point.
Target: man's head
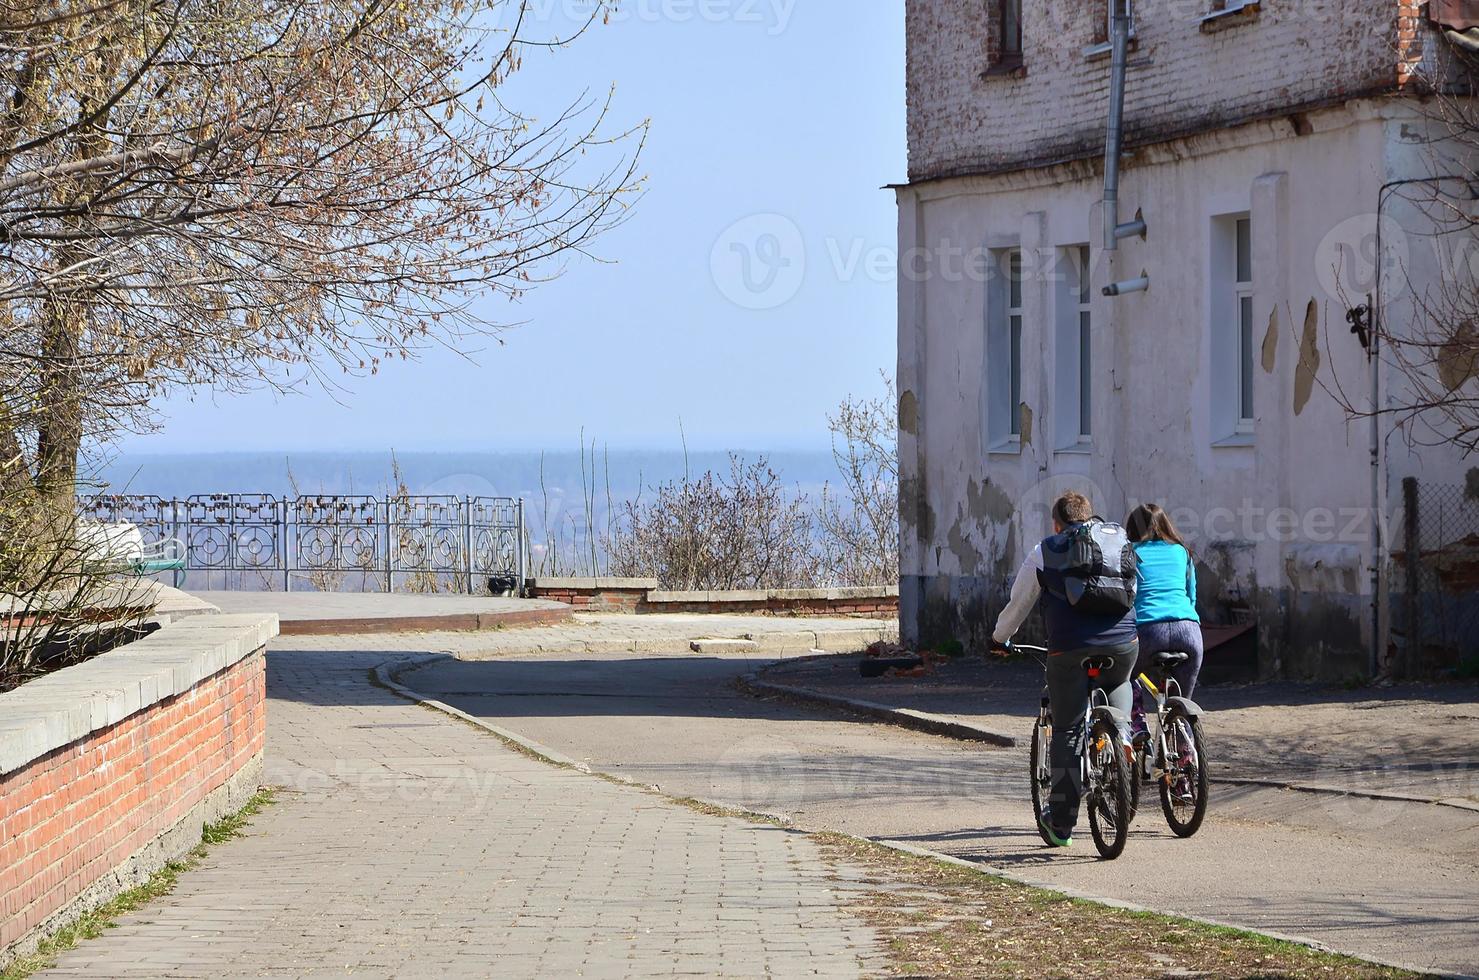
x: 1071, y: 508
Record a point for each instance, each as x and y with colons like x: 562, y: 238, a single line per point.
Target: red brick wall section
x: 72, y: 816
x: 605, y: 599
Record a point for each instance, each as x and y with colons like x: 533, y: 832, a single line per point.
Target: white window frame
x: 1231, y: 288
x: 1005, y: 339
x: 1074, y: 313
x: 1243, y: 324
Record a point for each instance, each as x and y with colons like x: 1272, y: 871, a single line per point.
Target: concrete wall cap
x: 555, y: 584
x: 66, y: 706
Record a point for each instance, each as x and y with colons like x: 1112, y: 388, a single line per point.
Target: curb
x: 921, y: 721
x: 384, y: 676
x: 451, y: 623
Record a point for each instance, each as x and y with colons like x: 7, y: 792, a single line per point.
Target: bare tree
x: 859, y: 524
x: 236, y: 192
x: 1421, y: 317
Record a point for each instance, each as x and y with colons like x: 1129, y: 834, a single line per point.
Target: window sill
x: 1010, y: 446
x: 1103, y: 49
x: 1015, y: 68
x: 1238, y: 440
x: 1221, y: 20
x: 1082, y: 448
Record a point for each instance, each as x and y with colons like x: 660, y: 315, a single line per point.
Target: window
x: 1243, y: 290
x: 1074, y: 402
x: 1009, y: 22
x: 1003, y: 402
x: 1014, y: 328
x: 1085, y: 355
x: 1229, y: 12
x: 1105, y: 28
x: 1231, y: 326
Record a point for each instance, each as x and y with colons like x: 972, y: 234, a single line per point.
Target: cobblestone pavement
x: 1418, y: 740
x: 406, y: 843
x: 1389, y: 879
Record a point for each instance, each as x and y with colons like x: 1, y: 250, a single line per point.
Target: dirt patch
x: 941, y: 920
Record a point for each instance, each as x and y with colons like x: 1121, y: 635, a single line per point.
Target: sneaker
x: 1054, y: 840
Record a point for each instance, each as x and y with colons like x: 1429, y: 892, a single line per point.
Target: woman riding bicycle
x: 1165, y: 601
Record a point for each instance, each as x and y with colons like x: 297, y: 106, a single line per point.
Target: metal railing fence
x: 332, y: 543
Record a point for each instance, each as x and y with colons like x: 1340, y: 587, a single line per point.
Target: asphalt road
x: 1393, y: 881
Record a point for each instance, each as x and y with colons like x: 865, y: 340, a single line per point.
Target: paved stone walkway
x: 1413, y: 740
x: 405, y: 843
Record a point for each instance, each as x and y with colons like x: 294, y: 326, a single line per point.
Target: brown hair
x: 1150, y: 522
x: 1072, y: 508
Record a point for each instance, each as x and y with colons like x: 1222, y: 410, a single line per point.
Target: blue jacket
x: 1167, y: 587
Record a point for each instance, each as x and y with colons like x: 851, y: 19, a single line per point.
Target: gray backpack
x: 1091, y: 566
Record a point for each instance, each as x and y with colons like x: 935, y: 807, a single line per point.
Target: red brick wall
x: 606, y: 599
x: 594, y: 600
x: 72, y: 816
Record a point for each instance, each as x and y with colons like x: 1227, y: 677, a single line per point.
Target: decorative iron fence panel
x: 332, y: 543
x: 1435, y: 580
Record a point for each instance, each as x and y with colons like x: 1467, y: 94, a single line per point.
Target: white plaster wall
x: 1292, y: 510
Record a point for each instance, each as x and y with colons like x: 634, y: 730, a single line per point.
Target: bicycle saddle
x: 1168, y: 657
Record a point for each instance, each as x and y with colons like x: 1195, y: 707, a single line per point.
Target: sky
x: 749, y: 292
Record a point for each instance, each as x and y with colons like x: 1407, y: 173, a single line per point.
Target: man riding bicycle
x: 1089, y: 613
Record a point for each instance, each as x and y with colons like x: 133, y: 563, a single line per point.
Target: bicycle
x: 1103, y: 756
x: 1178, y: 763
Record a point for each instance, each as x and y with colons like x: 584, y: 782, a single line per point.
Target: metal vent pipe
x: 1119, y: 38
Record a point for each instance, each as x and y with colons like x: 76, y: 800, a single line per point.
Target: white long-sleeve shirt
x: 1025, y: 590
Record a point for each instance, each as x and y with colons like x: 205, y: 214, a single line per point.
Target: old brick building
x: 1262, y: 139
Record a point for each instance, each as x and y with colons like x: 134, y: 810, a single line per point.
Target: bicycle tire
x: 1109, y: 803
x: 1197, y: 776
x: 1040, y: 773
x: 1135, y: 780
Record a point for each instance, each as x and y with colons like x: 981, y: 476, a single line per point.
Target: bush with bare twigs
x: 739, y: 530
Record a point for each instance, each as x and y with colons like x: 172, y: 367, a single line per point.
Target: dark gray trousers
x: 1068, y: 694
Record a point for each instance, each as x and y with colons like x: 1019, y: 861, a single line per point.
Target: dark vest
x: 1069, y: 629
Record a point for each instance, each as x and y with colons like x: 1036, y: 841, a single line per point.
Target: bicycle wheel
x: 1136, y: 759
x: 1042, y: 774
x: 1109, y: 799
x: 1184, y: 785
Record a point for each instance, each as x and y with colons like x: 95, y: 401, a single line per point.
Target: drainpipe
x: 1119, y: 39
x: 1379, y: 544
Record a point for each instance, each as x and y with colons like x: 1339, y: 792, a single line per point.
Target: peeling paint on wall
x: 1026, y: 419
x: 914, y: 509
x: 963, y: 547
x: 1458, y: 360
x: 1271, y: 342
x: 1309, y: 358
x: 988, y: 502
x: 909, y: 413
